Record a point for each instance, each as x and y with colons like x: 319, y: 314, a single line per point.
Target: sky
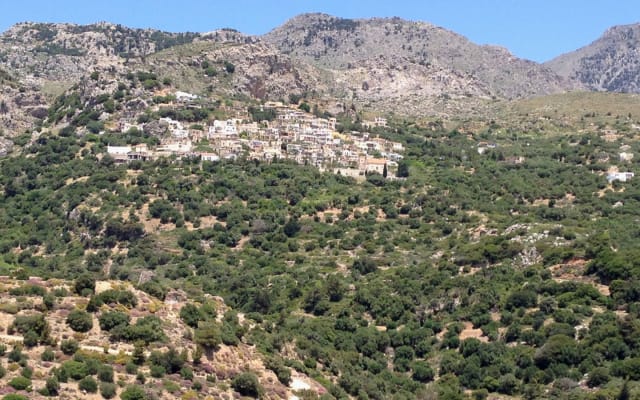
x: 536, y: 30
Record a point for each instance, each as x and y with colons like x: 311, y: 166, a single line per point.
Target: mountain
x: 611, y: 63
x: 378, y: 64
x: 391, y: 57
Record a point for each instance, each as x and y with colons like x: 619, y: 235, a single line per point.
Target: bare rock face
x: 430, y: 56
x: 5, y: 146
x: 611, y: 63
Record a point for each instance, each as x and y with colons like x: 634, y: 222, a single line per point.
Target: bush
x: 47, y: 355
x: 246, y: 384
x: 53, y: 386
x: 105, y: 373
x: 157, y: 371
x: 85, y: 285
x: 191, y: 315
x: 111, y: 319
x: 14, y: 396
x: 69, y: 347
x: 133, y: 393
x: 20, y: 383
x: 108, y: 390
x: 80, y: 321
x: 88, y: 384
x: 75, y: 370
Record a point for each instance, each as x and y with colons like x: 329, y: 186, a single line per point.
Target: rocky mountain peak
x: 395, y: 44
x: 610, y: 63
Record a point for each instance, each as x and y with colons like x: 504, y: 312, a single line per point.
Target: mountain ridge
x: 381, y: 64
x: 610, y: 63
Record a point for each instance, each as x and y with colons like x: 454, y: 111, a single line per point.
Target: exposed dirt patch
x: 468, y: 332
x: 573, y: 271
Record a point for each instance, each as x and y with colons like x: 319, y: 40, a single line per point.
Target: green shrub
x: 157, y: 371
x: 47, y: 355
x: 69, y: 347
x: 20, y: 383
x: 74, y: 369
x: 52, y: 385
x: 88, y: 384
x: 108, y: 390
x: 105, y: 373
x: 133, y: 392
x: 14, y: 396
x: 80, y: 321
x: 246, y: 384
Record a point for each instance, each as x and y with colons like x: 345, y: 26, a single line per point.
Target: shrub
x: 88, y: 384
x: 15, y: 354
x: 75, y: 370
x: 246, y: 384
x: 111, y: 319
x: 105, y: 373
x: 20, y: 383
x: 14, y: 396
x: 80, y: 321
x: 191, y: 315
x: 108, y: 390
x: 69, y: 347
x: 47, y: 355
x: 131, y: 368
x: 157, y: 371
x: 133, y: 393
x: 85, y: 285
x: 53, y: 386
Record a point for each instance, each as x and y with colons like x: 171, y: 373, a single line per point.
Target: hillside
x: 487, y: 268
x: 201, y: 216
x: 611, y: 63
x: 99, y: 349
x: 416, y: 52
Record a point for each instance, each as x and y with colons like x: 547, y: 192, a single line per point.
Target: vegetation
x: 512, y: 272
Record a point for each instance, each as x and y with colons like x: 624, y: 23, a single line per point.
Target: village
x: 293, y: 134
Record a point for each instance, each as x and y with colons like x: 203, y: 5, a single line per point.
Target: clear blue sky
x: 537, y: 30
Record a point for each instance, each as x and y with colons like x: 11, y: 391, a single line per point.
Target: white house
x: 120, y: 150
x: 619, y: 176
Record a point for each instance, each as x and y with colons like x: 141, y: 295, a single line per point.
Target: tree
x: 246, y: 384
x: 364, y: 265
x: 208, y: 335
x: 403, y: 169
x: 624, y: 394
x: 190, y: 314
x: 598, y: 376
x: 305, y: 107
x: 80, y: 321
x: 292, y: 227
x: 422, y: 372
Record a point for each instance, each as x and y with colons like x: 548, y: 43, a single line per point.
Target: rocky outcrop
x: 430, y: 56
x: 611, y: 63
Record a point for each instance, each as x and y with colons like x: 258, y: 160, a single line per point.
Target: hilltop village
x: 292, y: 134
